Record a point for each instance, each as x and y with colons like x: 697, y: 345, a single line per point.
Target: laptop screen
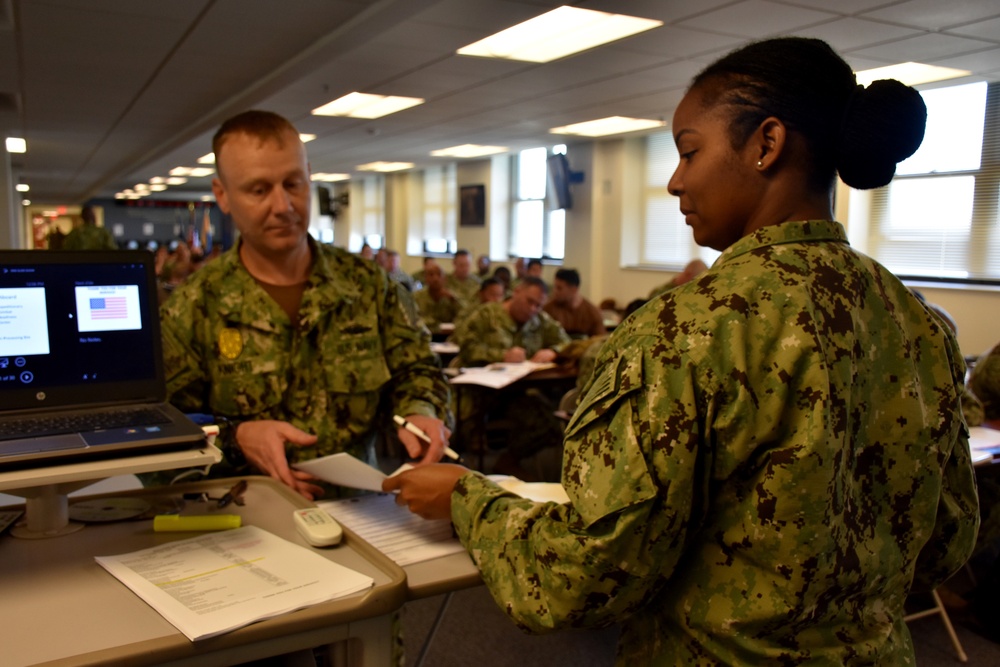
x: 78, y: 328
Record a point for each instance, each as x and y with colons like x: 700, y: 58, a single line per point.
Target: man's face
x: 563, y: 293
x: 526, y: 302
x: 434, y: 276
x: 535, y: 270
x: 462, y: 266
x: 491, y: 294
x: 264, y: 186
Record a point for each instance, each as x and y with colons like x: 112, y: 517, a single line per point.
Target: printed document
x: 343, y: 469
x: 217, y: 582
x: 498, y: 375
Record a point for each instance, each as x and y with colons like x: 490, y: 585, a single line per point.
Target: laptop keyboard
x: 34, y: 427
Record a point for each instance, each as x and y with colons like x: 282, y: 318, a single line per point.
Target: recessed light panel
x: 385, y: 166
x: 557, y: 34
x: 469, y: 150
x: 607, y: 126
x: 364, y: 105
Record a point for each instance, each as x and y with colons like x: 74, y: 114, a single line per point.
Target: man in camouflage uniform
x: 296, y: 344
x: 513, y: 331
x: 435, y: 302
x: 984, y: 381
x: 461, y: 281
x: 88, y: 236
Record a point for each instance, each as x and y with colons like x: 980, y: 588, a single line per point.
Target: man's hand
x: 426, y: 490
x: 544, y: 356
x: 515, y: 355
x: 263, y: 445
x: 416, y: 448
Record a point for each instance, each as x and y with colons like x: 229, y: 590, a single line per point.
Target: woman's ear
x: 768, y: 143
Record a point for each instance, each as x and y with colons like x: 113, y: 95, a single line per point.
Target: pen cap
x: 174, y: 522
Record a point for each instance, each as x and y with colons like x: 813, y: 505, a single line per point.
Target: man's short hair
x: 534, y: 281
x: 569, y: 276
x: 264, y: 125
x: 534, y: 262
x: 461, y: 251
x: 489, y: 282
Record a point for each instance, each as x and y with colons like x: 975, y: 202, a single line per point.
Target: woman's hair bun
x: 883, y: 125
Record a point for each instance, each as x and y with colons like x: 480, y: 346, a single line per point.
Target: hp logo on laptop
x: 40, y: 396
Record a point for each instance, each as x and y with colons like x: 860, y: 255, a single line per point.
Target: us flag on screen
x: 108, y: 308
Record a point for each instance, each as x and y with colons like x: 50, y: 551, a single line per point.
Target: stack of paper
x: 214, y: 583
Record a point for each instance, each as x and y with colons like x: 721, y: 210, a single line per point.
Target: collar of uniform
x: 787, y: 232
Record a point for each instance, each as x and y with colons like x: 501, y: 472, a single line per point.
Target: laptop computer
x: 81, y: 367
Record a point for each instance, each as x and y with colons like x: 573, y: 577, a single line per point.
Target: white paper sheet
x: 345, y: 470
x: 217, y: 582
x: 983, y: 438
x: 498, y: 375
x: 394, y: 530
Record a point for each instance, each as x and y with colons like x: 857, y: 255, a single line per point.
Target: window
x: 938, y: 218
x: 666, y: 240
x: 537, y: 229
x: 369, y: 226
x: 433, y: 201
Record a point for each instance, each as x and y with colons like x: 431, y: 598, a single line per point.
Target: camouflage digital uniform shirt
x: 230, y: 350
x: 764, y: 461
x: 89, y: 237
x: 466, y: 289
x: 488, y: 331
x: 445, y: 309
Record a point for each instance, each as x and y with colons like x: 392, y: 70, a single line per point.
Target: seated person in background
x: 502, y: 273
x: 579, y: 317
x: 460, y: 281
x: 984, y: 381
x: 483, y: 266
x: 294, y: 343
x: 418, y: 276
x: 515, y: 330
x: 692, y: 270
x: 366, y: 251
x: 396, y: 273
x: 435, y: 302
x: 534, y: 269
x: 491, y: 291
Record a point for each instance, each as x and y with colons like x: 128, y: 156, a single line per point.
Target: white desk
x: 60, y: 608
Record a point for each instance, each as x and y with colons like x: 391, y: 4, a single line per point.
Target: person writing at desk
x: 296, y: 344
x: 769, y: 457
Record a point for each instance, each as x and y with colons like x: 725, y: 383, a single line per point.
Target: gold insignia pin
x: 230, y: 343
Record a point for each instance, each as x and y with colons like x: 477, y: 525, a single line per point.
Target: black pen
x: 233, y: 493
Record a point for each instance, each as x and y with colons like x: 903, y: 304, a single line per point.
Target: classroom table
x: 60, y: 608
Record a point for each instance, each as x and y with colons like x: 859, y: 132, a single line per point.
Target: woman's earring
x: 760, y: 164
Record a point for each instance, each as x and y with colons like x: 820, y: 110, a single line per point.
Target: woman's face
x: 717, y: 185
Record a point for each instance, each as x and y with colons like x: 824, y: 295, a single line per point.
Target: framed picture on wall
x: 472, y: 206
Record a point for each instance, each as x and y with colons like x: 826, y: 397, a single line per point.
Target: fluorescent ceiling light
x: 25, y: 202
x: 363, y: 105
x: 557, y: 34
x: 911, y: 74
x: 306, y: 138
x: 156, y: 180
x: 469, y: 150
x: 605, y: 126
x: 207, y: 159
x: 176, y: 180
x: 385, y: 166
x: 157, y: 187
x: 141, y: 187
x: 193, y: 172
x: 207, y: 198
x: 330, y: 178
x: 16, y: 145
x: 22, y: 187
